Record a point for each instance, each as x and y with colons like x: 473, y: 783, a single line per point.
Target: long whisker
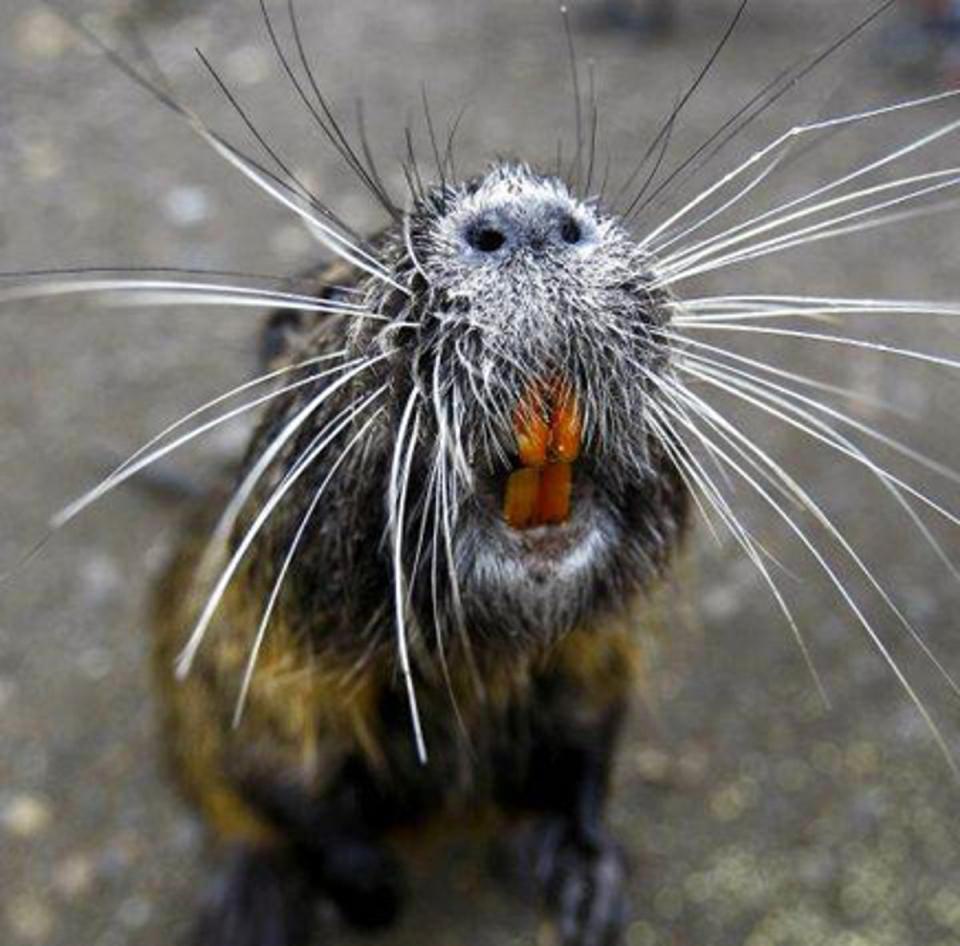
x: 187, y: 655
x: 139, y: 270
x: 397, y: 494
x: 327, y: 235
x: 299, y: 186
x: 832, y: 439
x: 176, y: 425
x: 759, y: 308
x: 714, y: 372
x: 329, y: 127
x: 796, y: 132
x: 165, y: 98
x: 760, y: 103
x: 744, y: 447
x: 130, y: 469
x: 727, y: 205
x: 181, y: 293
x: 244, y: 491
x: 880, y: 347
x: 888, y: 441
x: 746, y: 541
x: 291, y: 554
x: 687, y: 257
x: 685, y: 343
x: 323, y: 224
x: 836, y: 184
x: 828, y: 229
x: 668, y: 126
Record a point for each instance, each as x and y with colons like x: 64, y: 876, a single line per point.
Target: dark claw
x: 258, y: 899
x: 583, y: 881
x: 364, y: 881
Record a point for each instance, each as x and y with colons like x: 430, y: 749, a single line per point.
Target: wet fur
x: 521, y: 676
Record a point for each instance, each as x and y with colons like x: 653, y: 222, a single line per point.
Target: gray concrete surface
x: 757, y: 817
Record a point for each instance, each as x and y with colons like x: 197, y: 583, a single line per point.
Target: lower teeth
x: 537, y: 496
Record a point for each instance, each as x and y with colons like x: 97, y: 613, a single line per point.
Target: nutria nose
x: 498, y: 233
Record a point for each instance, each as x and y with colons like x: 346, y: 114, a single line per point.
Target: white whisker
x: 244, y: 491
x: 760, y: 387
x: 684, y: 268
x: 796, y: 132
x: 129, y: 469
x: 185, y: 659
x: 178, y: 292
x: 747, y: 542
x: 397, y: 494
x: 291, y: 553
x: 326, y: 234
x: 879, y: 347
x: 745, y: 448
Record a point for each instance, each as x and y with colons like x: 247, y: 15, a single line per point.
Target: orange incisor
x: 548, y: 428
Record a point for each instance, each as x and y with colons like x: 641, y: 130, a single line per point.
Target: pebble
x: 135, y: 913
x: 187, y: 206
x: 100, y: 580
x: 41, y: 160
x: 30, y: 918
x: 247, y: 66
x: 25, y: 816
x: 73, y: 876
x: 42, y: 35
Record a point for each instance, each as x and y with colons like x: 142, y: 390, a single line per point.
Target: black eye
x: 486, y: 239
x: 570, y: 231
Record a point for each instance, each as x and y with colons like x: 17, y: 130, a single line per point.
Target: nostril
x: 570, y: 231
x: 486, y: 239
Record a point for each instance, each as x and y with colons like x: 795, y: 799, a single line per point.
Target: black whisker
x: 332, y: 127
x: 433, y: 142
x: 385, y: 200
x: 788, y: 81
x: 413, y: 166
x: 308, y: 195
x: 577, y: 102
x: 448, y: 156
x: 667, y: 128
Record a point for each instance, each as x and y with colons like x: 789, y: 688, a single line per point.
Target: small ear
x: 285, y: 329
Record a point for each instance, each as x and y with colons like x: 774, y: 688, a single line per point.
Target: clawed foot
x: 259, y: 899
x: 582, y: 882
x: 365, y: 882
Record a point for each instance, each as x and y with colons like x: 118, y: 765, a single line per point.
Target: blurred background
x: 756, y: 816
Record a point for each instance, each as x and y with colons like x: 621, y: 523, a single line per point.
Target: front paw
x: 583, y: 881
x: 258, y: 899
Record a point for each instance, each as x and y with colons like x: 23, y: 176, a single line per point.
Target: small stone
x: 187, y: 206
x: 42, y: 35
x: 29, y: 918
x: 693, y: 766
x: 135, y: 913
x: 730, y: 801
x: 25, y: 816
x: 100, y: 579
x: 246, y: 66
x: 653, y: 765
x: 41, y: 160
x: 73, y: 876
x: 95, y: 663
